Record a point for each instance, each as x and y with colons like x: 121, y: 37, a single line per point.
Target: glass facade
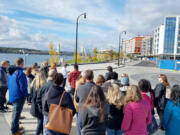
x: 169, y: 37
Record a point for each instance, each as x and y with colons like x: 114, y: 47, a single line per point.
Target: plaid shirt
x: 73, y: 77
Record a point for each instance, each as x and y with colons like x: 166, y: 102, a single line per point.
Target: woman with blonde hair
x: 137, y: 113
x: 35, y: 69
x: 35, y: 111
x: 115, y: 116
x: 100, y: 80
x: 161, y: 90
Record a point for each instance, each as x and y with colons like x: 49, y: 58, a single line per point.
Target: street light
x: 123, y: 32
x: 84, y: 14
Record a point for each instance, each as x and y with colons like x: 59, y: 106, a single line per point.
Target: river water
x: 29, y: 59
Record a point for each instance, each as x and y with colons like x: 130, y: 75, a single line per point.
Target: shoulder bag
x: 60, y: 118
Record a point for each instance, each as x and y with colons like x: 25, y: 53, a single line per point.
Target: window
x: 178, y: 44
x: 178, y: 50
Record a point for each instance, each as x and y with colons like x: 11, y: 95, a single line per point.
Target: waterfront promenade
x: 135, y: 70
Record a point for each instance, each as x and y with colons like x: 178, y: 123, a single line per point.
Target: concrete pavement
x: 135, y: 72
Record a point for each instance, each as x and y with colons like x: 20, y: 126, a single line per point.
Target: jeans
x: 39, y: 125
x: 113, y: 132
x: 46, y: 131
x: 64, y: 83
x: 79, y: 124
x: 18, y: 107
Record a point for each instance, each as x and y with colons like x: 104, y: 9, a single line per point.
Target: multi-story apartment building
x: 146, y: 46
x: 158, y: 40
x: 166, y: 38
x: 132, y: 46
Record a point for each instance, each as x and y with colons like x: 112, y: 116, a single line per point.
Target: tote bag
x: 60, y: 118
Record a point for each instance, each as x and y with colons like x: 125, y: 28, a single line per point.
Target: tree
x: 78, y: 57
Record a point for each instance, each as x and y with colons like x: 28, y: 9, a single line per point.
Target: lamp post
x: 123, y: 32
x: 84, y: 14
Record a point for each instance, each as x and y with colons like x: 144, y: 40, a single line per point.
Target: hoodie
x: 17, y: 84
x: 91, y: 124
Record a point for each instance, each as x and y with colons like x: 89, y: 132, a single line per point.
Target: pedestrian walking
x: 53, y: 97
x: 82, y: 94
x: 124, y: 83
x: 171, y: 117
x: 73, y: 78
x: 3, y: 85
x: 41, y: 97
x: 65, y: 72
x: 30, y: 78
x: 108, y: 74
x: 37, y: 83
x: 17, y: 85
x: 94, y: 112
x: 160, y: 96
x: 100, y: 80
x: 137, y: 113
x: 115, y: 116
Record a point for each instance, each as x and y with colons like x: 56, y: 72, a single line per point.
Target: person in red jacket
x: 73, y: 77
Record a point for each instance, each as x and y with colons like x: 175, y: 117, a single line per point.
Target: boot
x: 18, y: 133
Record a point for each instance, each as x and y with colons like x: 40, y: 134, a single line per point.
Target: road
x: 136, y: 72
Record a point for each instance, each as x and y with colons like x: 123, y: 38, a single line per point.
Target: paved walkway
x: 135, y: 73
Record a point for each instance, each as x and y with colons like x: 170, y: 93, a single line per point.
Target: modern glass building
x: 172, y: 35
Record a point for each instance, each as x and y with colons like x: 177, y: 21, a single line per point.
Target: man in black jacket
x: 42, y: 92
x: 82, y: 94
x: 108, y: 74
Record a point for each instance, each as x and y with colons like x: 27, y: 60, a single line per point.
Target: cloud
x: 101, y: 28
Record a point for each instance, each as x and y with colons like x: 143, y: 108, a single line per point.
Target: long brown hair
x: 96, y: 97
x: 100, y: 80
x: 164, y: 79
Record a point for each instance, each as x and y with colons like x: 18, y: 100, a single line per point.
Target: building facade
x: 172, y: 35
x: 146, y: 46
x: 158, y: 40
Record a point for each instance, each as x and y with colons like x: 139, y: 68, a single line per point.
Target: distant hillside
x: 29, y: 51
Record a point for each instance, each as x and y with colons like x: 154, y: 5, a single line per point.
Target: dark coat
x: 115, y: 118
x: 53, y: 96
x: 160, y: 100
x: 35, y: 111
x: 108, y: 76
x: 41, y: 96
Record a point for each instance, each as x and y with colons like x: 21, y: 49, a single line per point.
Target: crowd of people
x: 108, y: 105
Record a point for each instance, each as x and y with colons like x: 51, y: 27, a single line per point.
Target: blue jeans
x: 113, y: 132
x: 39, y: 125
x: 18, y: 107
x: 79, y: 123
x: 46, y: 131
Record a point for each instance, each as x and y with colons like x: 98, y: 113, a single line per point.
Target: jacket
x: 30, y: 78
x: 137, y: 116
x: 160, y: 99
x: 73, y: 78
x: 3, y: 78
x: 35, y: 111
x: 171, y: 118
x: 53, y: 96
x: 41, y: 96
x: 91, y: 124
x: 107, y: 84
x: 108, y: 76
x: 82, y: 93
x: 148, y: 96
x: 115, y: 118
x: 17, y: 85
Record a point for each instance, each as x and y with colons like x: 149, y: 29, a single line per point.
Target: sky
x: 36, y: 23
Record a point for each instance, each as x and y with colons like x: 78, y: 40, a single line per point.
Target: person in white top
x: 65, y: 73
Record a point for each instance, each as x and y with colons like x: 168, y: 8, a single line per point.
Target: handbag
x: 153, y: 127
x: 60, y: 118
